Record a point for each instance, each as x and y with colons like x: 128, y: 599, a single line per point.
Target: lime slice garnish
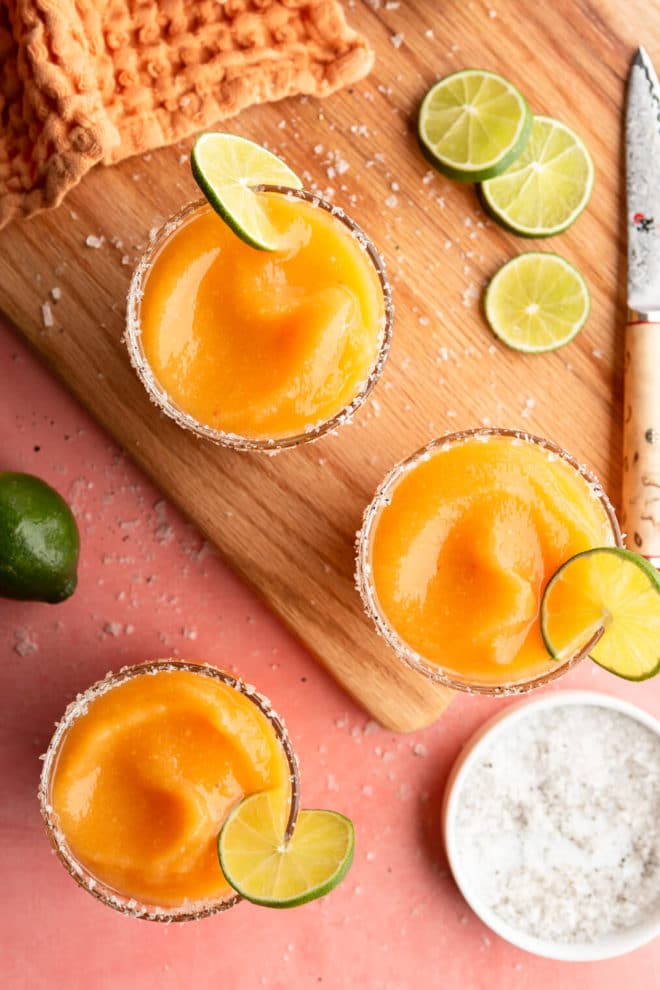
x: 264, y: 868
x: 227, y: 167
x: 609, y: 597
x: 547, y: 187
x: 473, y: 124
x: 536, y: 302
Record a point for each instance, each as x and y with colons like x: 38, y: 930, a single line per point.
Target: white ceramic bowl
x: 615, y: 944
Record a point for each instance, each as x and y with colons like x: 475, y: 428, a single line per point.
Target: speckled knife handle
x: 641, y: 435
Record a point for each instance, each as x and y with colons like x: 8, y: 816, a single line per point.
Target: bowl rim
x: 606, y: 947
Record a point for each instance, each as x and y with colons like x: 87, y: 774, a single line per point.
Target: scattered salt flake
x: 47, y: 315
x: 189, y: 632
x: 25, y: 642
x: 164, y: 533
x: 56, y: 293
x: 367, y: 790
x: 112, y: 628
x: 93, y: 241
x: 419, y: 749
x: 598, y: 353
x: 470, y: 294
x: 341, y: 722
x: 391, y: 201
x: 397, y: 40
x: 332, y: 782
x: 428, y: 33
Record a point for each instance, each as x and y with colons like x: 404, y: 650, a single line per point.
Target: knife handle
x: 640, y: 516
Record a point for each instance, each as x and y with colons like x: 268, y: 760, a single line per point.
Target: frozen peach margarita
x: 459, y: 544
x: 141, y: 775
x: 257, y: 347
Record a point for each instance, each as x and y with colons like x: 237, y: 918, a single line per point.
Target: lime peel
x: 228, y: 169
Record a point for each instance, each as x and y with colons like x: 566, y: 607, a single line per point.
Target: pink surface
x: 149, y: 586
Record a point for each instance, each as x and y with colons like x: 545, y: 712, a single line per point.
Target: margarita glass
x: 260, y: 350
x: 456, y: 549
x: 140, y: 775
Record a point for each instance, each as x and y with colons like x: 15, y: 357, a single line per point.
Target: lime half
x: 264, y: 868
x: 227, y: 167
x: 610, y: 598
x: 473, y: 124
x: 537, y: 302
x: 547, y: 187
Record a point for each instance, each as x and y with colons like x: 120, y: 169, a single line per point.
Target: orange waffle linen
x: 87, y: 81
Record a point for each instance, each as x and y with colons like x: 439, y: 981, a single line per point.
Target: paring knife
x: 641, y: 430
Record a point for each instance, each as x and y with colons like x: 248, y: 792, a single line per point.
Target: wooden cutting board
x: 287, y: 524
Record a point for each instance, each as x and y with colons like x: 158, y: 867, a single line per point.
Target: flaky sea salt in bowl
x: 552, y: 826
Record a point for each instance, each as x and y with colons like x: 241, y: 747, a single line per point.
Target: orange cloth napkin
x: 87, y: 81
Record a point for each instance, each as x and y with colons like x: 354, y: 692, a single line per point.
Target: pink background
x: 150, y: 587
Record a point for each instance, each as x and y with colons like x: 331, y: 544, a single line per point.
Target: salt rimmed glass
x: 411, y: 657
x: 156, y: 392
x: 122, y: 902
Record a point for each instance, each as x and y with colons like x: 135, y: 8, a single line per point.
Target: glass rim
x: 237, y: 441
x: 119, y: 901
x: 364, y: 580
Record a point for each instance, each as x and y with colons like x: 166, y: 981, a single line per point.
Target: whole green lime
x: 39, y: 541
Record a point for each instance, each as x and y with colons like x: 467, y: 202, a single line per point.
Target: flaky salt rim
x: 270, y: 445
x: 188, y: 910
x: 364, y: 579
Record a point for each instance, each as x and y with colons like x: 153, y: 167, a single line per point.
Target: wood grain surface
x: 287, y: 523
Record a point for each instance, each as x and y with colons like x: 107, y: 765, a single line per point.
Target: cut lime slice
x: 227, y: 167
x: 264, y: 868
x: 536, y: 302
x: 608, y: 597
x: 547, y: 187
x: 473, y: 124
